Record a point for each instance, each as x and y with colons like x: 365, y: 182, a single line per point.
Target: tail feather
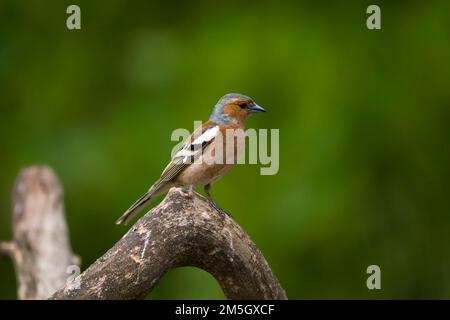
x: 157, y: 189
x: 135, y: 208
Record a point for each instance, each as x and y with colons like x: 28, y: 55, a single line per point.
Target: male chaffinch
x: 195, y: 164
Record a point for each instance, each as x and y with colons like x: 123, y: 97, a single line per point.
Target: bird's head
x: 235, y: 108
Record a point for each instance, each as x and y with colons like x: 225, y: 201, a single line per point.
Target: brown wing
x: 194, y: 147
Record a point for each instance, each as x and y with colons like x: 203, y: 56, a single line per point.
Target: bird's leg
x: 208, y: 190
x: 211, y: 201
x: 189, y: 191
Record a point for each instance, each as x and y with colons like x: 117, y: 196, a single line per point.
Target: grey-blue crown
x: 217, y: 115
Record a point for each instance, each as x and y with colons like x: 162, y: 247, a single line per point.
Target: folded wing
x: 193, y: 148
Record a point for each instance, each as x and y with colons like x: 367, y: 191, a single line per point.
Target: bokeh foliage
x: 363, y: 118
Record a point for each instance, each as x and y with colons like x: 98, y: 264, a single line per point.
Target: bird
x: 204, y: 156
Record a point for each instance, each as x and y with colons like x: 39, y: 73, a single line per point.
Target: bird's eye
x: 243, y: 105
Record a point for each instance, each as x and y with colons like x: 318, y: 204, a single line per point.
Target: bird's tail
x: 135, y: 208
x: 142, y: 202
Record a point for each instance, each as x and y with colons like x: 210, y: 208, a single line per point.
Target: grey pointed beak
x: 256, y: 109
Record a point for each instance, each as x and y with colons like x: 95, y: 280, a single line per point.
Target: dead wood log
x: 40, y: 248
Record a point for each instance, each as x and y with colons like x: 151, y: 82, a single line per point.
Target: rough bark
x: 40, y: 248
x: 179, y: 232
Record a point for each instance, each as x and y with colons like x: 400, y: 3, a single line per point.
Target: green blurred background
x: 363, y: 118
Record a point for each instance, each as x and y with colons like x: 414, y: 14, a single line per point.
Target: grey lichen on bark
x: 181, y: 231
x: 40, y: 248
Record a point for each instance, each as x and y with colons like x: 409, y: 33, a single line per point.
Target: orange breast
x: 217, y: 159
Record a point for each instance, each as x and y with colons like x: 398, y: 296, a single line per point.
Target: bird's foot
x: 188, y: 192
x: 198, y: 194
x: 212, y: 204
x: 217, y: 208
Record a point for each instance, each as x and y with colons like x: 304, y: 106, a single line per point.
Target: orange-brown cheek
x: 235, y: 112
x: 230, y: 110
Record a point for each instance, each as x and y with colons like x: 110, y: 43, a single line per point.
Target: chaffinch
x: 204, y: 157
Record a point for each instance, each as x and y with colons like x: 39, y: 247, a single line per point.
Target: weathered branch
x: 40, y: 248
x: 179, y: 232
